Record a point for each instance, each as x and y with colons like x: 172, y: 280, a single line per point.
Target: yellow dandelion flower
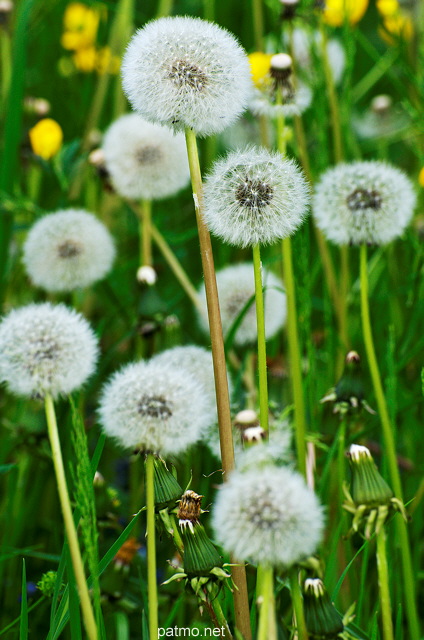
x: 387, y: 7
x: 260, y: 64
x: 80, y: 24
x: 85, y: 59
x: 421, y: 178
x: 46, y: 138
x: 336, y: 12
x: 397, y: 27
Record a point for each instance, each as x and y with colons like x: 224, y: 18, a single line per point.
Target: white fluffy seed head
x: 275, y: 450
x: 303, y: 44
x: 236, y: 286
x: 255, y: 197
x: 268, y: 516
x: 363, y: 202
x: 145, y: 160
x: 186, y: 72
x: 68, y: 249
x: 46, y: 349
x: 155, y: 407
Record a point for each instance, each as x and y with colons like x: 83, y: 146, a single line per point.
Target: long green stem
x: 260, y: 322
x: 383, y: 584
x: 295, y: 361
x: 297, y: 601
x: 175, y: 266
x: 146, y: 233
x: 267, y: 628
x: 408, y: 573
x: 258, y: 24
x: 241, y: 601
x: 71, y: 533
x: 152, y: 589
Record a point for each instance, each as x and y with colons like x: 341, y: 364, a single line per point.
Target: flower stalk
x: 71, y: 533
x: 151, y: 547
x: 260, y: 320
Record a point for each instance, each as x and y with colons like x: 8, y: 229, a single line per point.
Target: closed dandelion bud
x: 144, y: 160
x: 46, y: 349
x: 255, y: 197
x: 236, y: 290
x: 322, y: 619
x: 363, y: 203
x: 368, y: 486
x: 185, y: 72
x: 167, y: 489
x: 146, y: 275
x: 267, y: 516
x: 349, y: 393
x: 200, y: 556
x: 154, y: 407
x: 67, y: 250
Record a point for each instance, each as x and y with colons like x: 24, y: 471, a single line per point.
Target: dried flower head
x: 154, y: 407
x: 144, y: 160
x: 255, y: 196
x: 277, y: 92
x: 68, y: 249
x: 185, y: 72
x: 363, y: 202
x: 46, y: 349
x: 268, y: 516
x: 236, y: 289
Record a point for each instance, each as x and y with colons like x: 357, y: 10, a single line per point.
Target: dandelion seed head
x: 236, y: 286
x: 186, y: 72
x: 268, y: 516
x: 363, y: 202
x: 68, y: 249
x: 145, y: 160
x: 155, y: 407
x: 275, y: 450
x: 303, y: 44
x: 46, y: 349
x: 255, y: 196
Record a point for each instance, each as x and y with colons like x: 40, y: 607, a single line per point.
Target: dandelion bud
x: 255, y: 197
x: 185, y: 72
x: 368, y: 486
x: 146, y: 275
x: 321, y: 617
x: 46, y: 349
x: 144, y: 160
x: 167, y: 489
x: 200, y: 556
x: 98, y: 480
x: 236, y: 289
x: 349, y: 393
x: 363, y: 203
x: 267, y: 516
x: 246, y: 418
x: 68, y: 249
x: 6, y: 8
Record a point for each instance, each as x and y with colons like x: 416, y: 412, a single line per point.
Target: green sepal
x: 322, y: 618
x: 167, y: 489
x: 368, y: 486
x: 200, y: 555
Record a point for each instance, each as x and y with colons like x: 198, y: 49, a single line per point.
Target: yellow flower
x: 106, y: 62
x: 337, y: 11
x: 421, y: 177
x: 260, y: 64
x: 80, y: 24
x: 397, y: 27
x: 387, y: 7
x: 85, y: 59
x: 46, y: 138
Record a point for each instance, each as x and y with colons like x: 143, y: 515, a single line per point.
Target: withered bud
x: 189, y: 508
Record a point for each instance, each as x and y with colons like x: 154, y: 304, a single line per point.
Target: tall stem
x: 297, y: 601
x: 260, y: 322
x: 146, y: 233
x: 71, y: 532
x: 267, y: 628
x: 383, y: 585
x: 241, y: 601
x: 295, y: 361
x: 151, y: 548
x: 258, y: 24
x: 402, y: 532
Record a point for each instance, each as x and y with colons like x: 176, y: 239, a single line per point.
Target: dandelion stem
x: 175, y: 265
x: 297, y: 601
x: 151, y: 548
x: 260, y: 321
x: 146, y: 233
x: 383, y: 583
x: 165, y: 8
x: 408, y: 574
x: 71, y: 533
x: 267, y: 628
x: 241, y: 601
x: 258, y: 24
